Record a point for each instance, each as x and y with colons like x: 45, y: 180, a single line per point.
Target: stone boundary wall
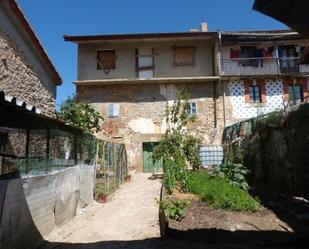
x: 277, y: 153
x: 31, y: 207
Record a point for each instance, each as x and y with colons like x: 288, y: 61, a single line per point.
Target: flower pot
x: 127, y: 178
x: 102, y: 198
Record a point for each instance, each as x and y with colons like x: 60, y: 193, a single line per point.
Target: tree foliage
x: 178, y: 148
x: 81, y: 114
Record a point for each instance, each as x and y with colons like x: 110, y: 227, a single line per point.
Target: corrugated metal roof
x: 18, y: 102
x: 259, y: 31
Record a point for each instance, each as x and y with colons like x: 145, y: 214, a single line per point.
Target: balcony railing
x: 263, y: 66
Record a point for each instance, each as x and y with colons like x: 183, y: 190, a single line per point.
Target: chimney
x: 204, y: 26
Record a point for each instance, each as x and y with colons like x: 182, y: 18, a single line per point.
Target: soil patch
x: 269, y: 227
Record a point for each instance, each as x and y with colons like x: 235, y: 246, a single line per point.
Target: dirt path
x: 131, y: 214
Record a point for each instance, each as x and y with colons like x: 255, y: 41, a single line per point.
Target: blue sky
x: 54, y: 18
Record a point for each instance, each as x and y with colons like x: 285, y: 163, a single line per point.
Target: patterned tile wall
x: 243, y: 110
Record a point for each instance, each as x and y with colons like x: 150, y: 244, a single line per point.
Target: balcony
x: 262, y: 66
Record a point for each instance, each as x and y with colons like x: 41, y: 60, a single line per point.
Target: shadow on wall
x: 17, y: 229
x: 143, y: 93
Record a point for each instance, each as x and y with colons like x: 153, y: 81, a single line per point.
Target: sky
x: 51, y: 19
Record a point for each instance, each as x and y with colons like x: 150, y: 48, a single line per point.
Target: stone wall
x: 20, y: 79
x: 142, y: 114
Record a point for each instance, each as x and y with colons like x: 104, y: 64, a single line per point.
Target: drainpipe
x: 220, y: 81
x: 215, y: 104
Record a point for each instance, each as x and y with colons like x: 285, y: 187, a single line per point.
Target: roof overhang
x: 262, y: 36
x: 16, y: 10
x: 145, y: 81
x: 293, y: 13
x: 140, y: 37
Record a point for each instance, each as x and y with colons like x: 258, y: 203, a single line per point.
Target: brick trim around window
x: 301, y: 81
x: 260, y: 83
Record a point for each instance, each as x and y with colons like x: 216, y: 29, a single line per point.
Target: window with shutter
x: 255, y: 94
x: 184, y: 56
x: 295, y: 94
x: 106, y: 59
x: 113, y: 110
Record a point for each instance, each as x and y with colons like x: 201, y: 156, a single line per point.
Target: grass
x: 221, y: 194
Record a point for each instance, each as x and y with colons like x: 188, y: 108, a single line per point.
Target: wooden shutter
x: 184, y: 56
x: 113, y: 109
x: 107, y: 59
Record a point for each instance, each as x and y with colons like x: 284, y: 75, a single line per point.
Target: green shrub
x: 219, y: 193
x: 234, y: 173
x: 175, y: 209
x: 101, y: 189
x: 175, y: 173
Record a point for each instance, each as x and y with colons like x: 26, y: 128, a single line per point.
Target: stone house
x: 131, y: 78
x: 26, y: 72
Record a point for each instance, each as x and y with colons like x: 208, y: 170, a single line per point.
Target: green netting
x: 111, y: 166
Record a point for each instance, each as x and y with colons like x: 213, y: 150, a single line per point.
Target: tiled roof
x: 27, y: 27
x: 77, y: 38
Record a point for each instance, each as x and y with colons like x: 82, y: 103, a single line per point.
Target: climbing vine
x: 178, y: 149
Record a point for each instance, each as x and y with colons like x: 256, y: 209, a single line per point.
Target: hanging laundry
x: 268, y: 52
x: 260, y: 54
x: 235, y: 53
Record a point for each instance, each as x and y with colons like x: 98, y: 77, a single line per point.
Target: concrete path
x: 131, y: 214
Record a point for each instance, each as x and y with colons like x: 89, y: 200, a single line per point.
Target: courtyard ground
x: 130, y: 220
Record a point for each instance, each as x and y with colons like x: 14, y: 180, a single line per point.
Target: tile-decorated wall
x: 243, y: 110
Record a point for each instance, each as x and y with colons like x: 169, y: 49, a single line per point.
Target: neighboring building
x: 261, y: 72
x: 231, y: 76
x: 26, y: 72
x: 131, y: 78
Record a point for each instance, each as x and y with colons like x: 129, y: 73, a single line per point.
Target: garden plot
x: 215, y: 215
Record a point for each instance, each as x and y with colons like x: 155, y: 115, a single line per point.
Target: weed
x: 175, y: 209
x: 219, y: 193
x: 234, y: 173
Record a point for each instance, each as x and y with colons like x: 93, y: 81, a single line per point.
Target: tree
x: 81, y: 114
x: 178, y: 149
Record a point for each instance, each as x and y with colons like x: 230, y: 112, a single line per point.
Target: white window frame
x: 113, y: 110
x: 190, y: 102
x: 145, y: 71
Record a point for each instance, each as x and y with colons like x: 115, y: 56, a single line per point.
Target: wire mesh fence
x: 38, y: 151
x: 111, y: 167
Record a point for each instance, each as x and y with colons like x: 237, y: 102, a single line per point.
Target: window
x: 184, y: 56
x: 106, y: 59
x: 145, y: 63
x: 295, y: 94
x: 255, y: 94
x: 192, y: 108
x: 113, y: 110
x: 288, y: 59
